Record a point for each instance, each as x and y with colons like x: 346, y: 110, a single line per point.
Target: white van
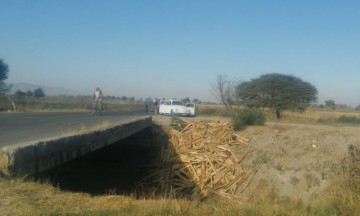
x: 169, y: 107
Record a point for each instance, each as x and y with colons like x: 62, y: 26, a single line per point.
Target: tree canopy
x: 330, y: 104
x: 4, y: 69
x: 39, y: 92
x: 277, y: 91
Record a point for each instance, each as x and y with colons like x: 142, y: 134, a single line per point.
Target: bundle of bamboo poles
x: 200, y: 160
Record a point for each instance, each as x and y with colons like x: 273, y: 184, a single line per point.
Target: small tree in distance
x: 39, y: 93
x: 330, y: 104
x: 20, y: 93
x: 277, y: 91
x: 29, y: 93
x: 4, y: 69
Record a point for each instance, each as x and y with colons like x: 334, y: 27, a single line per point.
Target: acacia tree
x: 39, y: 93
x: 277, y: 91
x: 20, y: 93
x: 4, y: 69
x: 29, y: 93
x: 330, y: 104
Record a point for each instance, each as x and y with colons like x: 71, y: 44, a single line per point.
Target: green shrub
x: 348, y: 119
x: 247, y: 117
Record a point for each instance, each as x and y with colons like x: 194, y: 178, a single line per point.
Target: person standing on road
x: 155, y: 104
x: 98, y: 97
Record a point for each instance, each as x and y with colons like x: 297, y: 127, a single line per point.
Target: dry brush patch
x: 310, y: 115
x: 346, y: 188
x: 4, y: 170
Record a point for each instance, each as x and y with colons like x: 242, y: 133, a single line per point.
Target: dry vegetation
x: 64, y: 104
x: 303, y: 168
x: 311, y: 115
x: 199, y: 161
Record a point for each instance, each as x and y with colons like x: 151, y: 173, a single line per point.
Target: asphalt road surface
x: 16, y: 128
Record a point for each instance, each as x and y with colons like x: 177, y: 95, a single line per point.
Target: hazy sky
x: 176, y: 48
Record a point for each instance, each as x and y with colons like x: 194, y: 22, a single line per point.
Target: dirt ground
x: 293, y: 161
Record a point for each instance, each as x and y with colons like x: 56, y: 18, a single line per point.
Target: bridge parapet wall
x: 31, y: 158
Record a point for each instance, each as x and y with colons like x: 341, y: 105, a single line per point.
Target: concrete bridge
x: 33, y: 143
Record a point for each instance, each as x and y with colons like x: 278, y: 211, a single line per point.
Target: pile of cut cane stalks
x: 200, y: 161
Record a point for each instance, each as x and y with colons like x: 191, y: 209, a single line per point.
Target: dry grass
x: 346, y: 188
x: 62, y: 104
x: 3, y: 163
x: 27, y: 198
x: 311, y: 115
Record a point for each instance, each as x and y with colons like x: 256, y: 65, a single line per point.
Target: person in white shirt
x: 98, y: 97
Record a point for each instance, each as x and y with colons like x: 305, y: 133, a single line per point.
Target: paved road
x: 18, y: 128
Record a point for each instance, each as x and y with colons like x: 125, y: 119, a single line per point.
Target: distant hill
x: 49, y: 91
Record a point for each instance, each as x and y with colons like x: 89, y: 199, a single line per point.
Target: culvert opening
x: 116, y: 169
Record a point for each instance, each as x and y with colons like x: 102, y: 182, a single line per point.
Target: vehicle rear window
x: 176, y: 103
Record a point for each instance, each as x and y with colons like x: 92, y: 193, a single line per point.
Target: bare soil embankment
x: 294, y: 161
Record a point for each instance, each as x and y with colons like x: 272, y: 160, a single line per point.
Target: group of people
x: 152, y: 105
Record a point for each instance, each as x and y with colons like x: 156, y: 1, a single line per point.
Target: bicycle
x: 97, y: 107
